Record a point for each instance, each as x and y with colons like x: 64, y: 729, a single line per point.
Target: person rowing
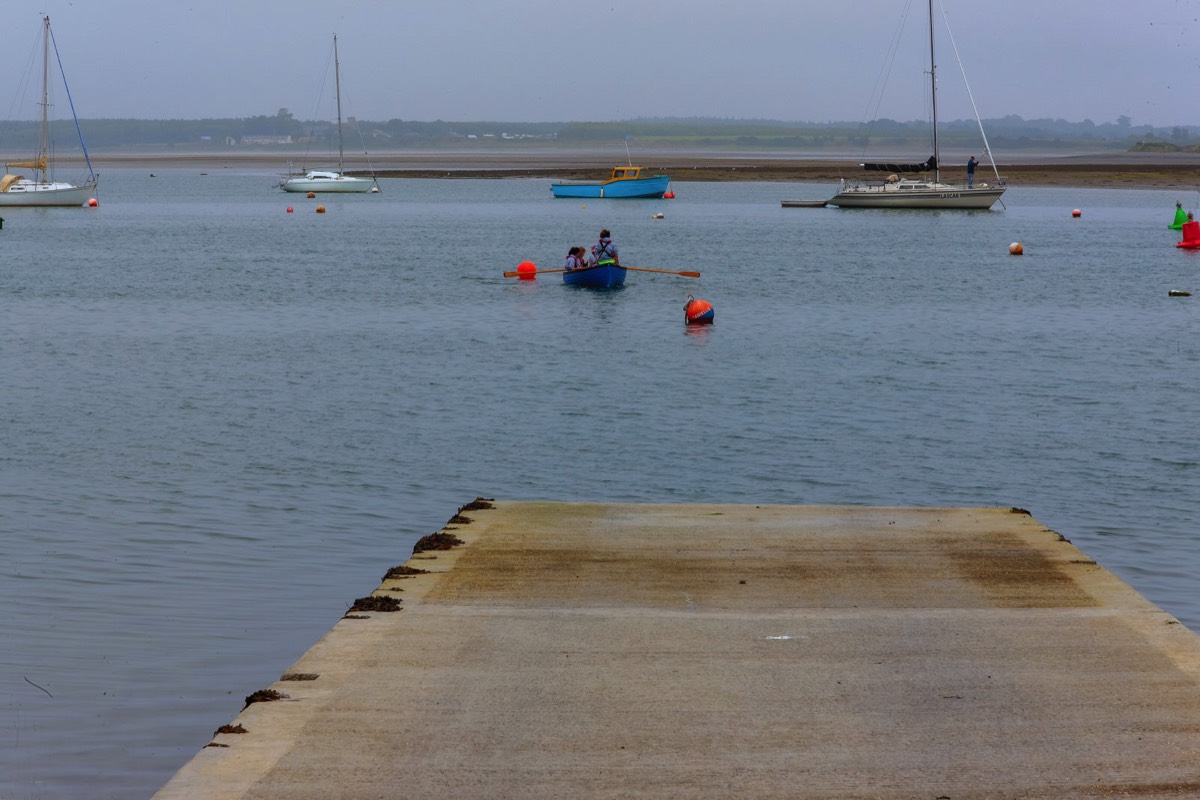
x: 604, y: 252
x: 574, y: 259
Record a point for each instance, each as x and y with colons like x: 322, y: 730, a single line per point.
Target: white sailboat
x: 316, y: 180
x: 899, y: 190
x: 42, y: 190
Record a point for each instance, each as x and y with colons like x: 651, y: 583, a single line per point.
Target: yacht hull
x: 45, y: 195
x: 330, y: 182
x: 927, y: 196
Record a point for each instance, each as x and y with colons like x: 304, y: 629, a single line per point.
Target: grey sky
x: 560, y: 60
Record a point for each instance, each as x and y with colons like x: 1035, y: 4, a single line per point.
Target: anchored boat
x: 42, y: 190
x: 316, y: 180
x: 624, y: 182
x: 899, y: 190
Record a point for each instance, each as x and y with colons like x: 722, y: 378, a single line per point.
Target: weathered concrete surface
x: 717, y: 651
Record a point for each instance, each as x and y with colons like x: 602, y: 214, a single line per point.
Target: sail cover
x: 38, y: 163
x: 926, y: 166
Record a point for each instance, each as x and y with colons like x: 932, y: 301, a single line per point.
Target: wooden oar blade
x: 684, y: 273
x: 517, y: 273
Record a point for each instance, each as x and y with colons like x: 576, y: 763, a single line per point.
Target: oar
x: 667, y: 271
x: 515, y: 273
x: 685, y: 274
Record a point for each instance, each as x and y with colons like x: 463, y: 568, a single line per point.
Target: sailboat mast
x: 937, y: 159
x: 44, y: 124
x: 337, y: 82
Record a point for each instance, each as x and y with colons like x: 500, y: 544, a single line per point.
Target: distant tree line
x: 282, y: 131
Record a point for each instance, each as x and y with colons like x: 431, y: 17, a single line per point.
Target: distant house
x: 267, y: 139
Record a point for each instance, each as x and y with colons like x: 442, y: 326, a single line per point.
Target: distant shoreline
x: 1123, y: 170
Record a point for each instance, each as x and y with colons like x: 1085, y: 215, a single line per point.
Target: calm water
x: 223, y: 422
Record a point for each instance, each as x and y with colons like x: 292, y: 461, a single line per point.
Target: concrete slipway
x: 717, y: 651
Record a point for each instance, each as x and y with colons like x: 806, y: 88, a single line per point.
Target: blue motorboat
x: 603, y: 276
x: 625, y: 182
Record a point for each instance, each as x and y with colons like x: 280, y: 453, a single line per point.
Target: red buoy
x: 93, y: 202
x: 698, y: 312
x: 669, y: 195
x: 289, y: 209
x: 1077, y: 213
x: 526, y: 271
x: 1191, y: 235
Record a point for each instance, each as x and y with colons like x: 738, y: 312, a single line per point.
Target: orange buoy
x: 1077, y: 213
x: 93, y: 202
x: 1016, y: 249
x: 669, y: 195
x: 526, y: 271
x: 311, y: 195
x: 698, y: 312
x: 320, y: 209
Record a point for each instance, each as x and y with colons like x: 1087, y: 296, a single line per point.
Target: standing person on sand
x: 971, y: 163
x: 604, y: 252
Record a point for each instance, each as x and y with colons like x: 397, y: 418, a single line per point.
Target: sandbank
x: 1122, y: 170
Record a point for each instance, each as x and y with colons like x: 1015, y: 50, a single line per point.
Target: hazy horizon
x: 636, y: 120
x: 554, y: 61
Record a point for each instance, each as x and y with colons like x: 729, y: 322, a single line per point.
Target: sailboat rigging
x: 900, y: 191
x: 42, y: 190
x: 329, y: 180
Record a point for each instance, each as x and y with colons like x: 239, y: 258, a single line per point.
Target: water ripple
x: 207, y: 455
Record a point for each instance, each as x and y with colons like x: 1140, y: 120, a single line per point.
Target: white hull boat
x: 916, y: 194
x: 899, y: 190
x: 25, y: 192
x: 41, y: 190
x: 321, y: 181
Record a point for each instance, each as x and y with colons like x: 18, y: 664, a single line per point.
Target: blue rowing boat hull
x: 636, y: 187
x: 605, y: 277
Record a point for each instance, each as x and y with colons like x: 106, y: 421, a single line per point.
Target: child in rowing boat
x: 574, y: 259
x: 605, y: 251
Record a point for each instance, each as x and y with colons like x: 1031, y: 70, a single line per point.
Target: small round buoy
x: 698, y: 312
x: 669, y: 195
x: 290, y: 209
x: 1077, y: 213
x: 1178, y: 293
x: 659, y: 215
x: 1016, y: 249
x: 584, y: 205
x: 526, y: 271
x: 374, y: 190
x: 311, y: 195
x: 93, y: 202
x: 320, y: 209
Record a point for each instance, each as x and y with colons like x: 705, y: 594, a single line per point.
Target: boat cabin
x: 625, y: 173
